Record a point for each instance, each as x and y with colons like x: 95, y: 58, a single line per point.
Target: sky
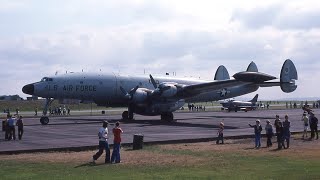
x: 191, y: 38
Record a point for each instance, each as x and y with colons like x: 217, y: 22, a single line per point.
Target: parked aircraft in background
x: 233, y: 105
x: 155, y: 96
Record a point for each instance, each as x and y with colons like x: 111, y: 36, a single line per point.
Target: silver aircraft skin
x: 233, y: 105
x: 151, y: 96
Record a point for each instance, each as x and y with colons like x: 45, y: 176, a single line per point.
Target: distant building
x: 11, y: 98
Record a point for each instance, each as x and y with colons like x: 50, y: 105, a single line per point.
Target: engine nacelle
x: 140, y: 96
x: 170, y: 90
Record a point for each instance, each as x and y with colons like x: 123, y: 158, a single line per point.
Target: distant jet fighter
x: 155, y: 96
x: 233, y: 105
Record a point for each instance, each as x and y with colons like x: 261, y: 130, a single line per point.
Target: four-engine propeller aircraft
x: 155, y: 96
x: 233, y: 105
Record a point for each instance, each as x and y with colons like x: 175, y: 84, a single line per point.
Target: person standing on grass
x: 6, y: 128
x: 313, y: 125
x: 305, y: 120
x: 103, y: 143
x: 286, y: 130
x: 12, y: 128
x: 220, y: 133
x: 115, y: 158
x: 269, y: 133
x: 280, y: 135
x: 257, y: 132
x: 20, y: 127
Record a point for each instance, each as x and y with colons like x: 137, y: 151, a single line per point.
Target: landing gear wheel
x: 167, y: 117
x: 125, y: 115
x: 44, y: 120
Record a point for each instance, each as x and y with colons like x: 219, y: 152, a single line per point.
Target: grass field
x: 234, y: 160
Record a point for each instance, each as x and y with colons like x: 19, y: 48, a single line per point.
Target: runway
x: 81, y: 131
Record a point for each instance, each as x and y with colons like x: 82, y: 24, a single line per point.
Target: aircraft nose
x: 28, y: 89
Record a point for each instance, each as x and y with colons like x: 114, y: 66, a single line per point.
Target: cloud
x: 282, y: 16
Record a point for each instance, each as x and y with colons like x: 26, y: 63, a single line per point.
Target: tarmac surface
x: 81, y: 131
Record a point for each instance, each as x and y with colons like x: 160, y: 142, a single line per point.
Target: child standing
x: 220, y: 133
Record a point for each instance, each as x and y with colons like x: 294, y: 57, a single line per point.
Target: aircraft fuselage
x: 104, y: 89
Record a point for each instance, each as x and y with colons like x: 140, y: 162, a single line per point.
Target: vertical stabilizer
x: 288, y: 76
x: 221, y: 73
x: 252, y: 67
x: 255, y: 99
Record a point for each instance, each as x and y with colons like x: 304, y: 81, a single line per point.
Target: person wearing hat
x: 269, y: 133
x: 286, y: 130
x: 257, y: 132
x: 103, y: 143
x: 313, y: 125
x: 220, y: 133
x: 305, y: 120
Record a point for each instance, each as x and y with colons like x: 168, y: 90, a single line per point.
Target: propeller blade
x: 133, y: 90
x: 153, y: 82
x: 123, y: 90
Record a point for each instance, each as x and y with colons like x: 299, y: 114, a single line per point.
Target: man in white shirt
x: 103, y: 143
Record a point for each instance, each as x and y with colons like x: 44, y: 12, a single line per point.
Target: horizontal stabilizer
x: 221, y: 73
x: 288, y: 76
x: 252, y: 67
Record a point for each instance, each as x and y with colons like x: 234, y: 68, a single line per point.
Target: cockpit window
x: 45, y: 79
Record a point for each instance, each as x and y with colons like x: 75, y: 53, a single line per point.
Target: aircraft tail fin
x: 288, y: 76
x: 252, y: 67
x: 255, y: 99
x: 221, y: 73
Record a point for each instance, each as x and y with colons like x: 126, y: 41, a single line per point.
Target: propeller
x: 129, y: 94
x: 158, y: 89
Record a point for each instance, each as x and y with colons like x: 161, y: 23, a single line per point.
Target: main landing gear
x: 44, y: 120
x: 168, y: 117
x: 128, y: 115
